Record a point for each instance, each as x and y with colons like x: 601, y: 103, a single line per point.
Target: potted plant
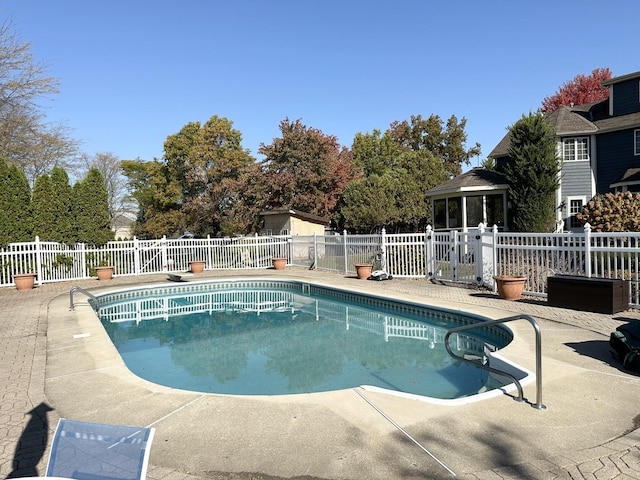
x: 510, y: 286
x: 363, y: 270
x: 279, y: 263
x: 24, y: 281
x: 197, y: 266
x: 105, y: 272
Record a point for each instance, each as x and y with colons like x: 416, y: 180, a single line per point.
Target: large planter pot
x: 279, y: 263
x: 105, y: 272
x: 363, y: 270
x: 24, y: 281
x: 197, y: 266
x: 510, y: 286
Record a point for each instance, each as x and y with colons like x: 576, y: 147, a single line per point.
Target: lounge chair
x: 94, y: 451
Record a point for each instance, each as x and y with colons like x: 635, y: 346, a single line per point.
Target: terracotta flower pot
x: 279, y: 263
x: 363, y: 270
x: 510, y: 286
x: 197, y: 266
x: 24, y: 281
x: 105, y: 272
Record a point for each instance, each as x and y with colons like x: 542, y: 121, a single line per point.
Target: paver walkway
x: 27, y: 420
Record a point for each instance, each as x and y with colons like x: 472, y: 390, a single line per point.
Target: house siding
x: 626, y: 97
x: 615, y: 154
x: 576, y: 180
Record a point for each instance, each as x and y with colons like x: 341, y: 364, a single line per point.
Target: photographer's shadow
x: 32, y: 443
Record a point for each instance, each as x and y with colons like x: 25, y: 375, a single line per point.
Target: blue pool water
x: 282, y: 337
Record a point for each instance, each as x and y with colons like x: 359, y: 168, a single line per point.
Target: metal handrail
x: 82, y: 290
x: 490, y: 323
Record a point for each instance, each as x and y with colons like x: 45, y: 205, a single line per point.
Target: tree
x: 15, y: 205
x: 306, y: 170
x: 403, y: 163
x: 369, y: 203
x: 532, y: 174
x: 26, y: 140
x: 115, y: 182
x: 208, y: 162
x: 582, y: 89
x: 445, y: 143
x: 612, y: 212
x: 90, y: 212
x: 196, y: 185
x: 159, y: 198
x: 52, y: 207
x: 248, y: 202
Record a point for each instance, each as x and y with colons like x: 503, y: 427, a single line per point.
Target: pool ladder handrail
x: 490, y: 323
x: 81, y: 290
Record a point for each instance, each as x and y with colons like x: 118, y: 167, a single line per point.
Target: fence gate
x: 455, y: 256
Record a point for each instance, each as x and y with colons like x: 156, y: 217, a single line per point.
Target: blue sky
x: 133, y: 72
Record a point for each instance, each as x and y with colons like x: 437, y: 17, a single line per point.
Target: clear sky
x: 133, y: 72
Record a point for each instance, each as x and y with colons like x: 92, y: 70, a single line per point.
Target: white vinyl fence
x: 472, y: 257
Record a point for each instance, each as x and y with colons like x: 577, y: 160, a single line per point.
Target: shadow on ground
x: 32, y: 443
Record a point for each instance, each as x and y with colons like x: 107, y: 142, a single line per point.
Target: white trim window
x: 575, y: 149
x: 636, y: 136
x: 575, y: 205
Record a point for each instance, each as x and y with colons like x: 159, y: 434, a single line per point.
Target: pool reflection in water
x: 269, y: 341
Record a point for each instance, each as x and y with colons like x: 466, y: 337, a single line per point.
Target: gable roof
x: 566, y: 121
x: 583, y: 119
x: 476, y: 179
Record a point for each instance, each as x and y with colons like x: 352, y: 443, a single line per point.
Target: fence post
x: 315, y: 250
x: 383, y: 251
x: 136, y: 255
x: 209, y: 252
x: 38, y: 261
x: 257, y: 262
x: 83, y: 259
x: 479, y: 254
x: 587, y: 250
x: 495, y: 255
x: 429, y: 261
x: 346, y: 259
x: 454, y: 251
x: 163, y: 251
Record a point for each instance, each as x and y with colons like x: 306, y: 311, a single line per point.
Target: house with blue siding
x: 599, y: 146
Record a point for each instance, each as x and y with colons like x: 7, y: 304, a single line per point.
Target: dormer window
x: 575, y: 149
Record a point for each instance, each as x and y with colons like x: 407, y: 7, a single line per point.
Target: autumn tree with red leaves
x: 306, y: 170
x: 582, y: 89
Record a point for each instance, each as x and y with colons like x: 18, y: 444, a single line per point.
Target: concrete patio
x: 59, y: 363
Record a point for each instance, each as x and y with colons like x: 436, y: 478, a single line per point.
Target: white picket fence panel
x: 473, y: 257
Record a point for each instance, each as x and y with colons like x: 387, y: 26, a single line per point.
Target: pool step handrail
x: 81, y: 290
x: 490, y: 323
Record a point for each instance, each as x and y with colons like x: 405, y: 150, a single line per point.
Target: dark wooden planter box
x: 600, y: 295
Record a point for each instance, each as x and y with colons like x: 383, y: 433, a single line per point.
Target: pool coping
x: 84, y: 383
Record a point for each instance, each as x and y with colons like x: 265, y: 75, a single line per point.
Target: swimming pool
x: 272, y: 337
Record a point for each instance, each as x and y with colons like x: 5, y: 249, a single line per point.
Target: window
x: 575, y: 149
x: 636, y: 149
x: 455, y: 212
x: 575, y: 207
x: 440, y: 214
x: 474, y: 211
x: 495, y: 210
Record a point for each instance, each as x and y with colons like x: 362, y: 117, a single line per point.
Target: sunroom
x: 462, y: 203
